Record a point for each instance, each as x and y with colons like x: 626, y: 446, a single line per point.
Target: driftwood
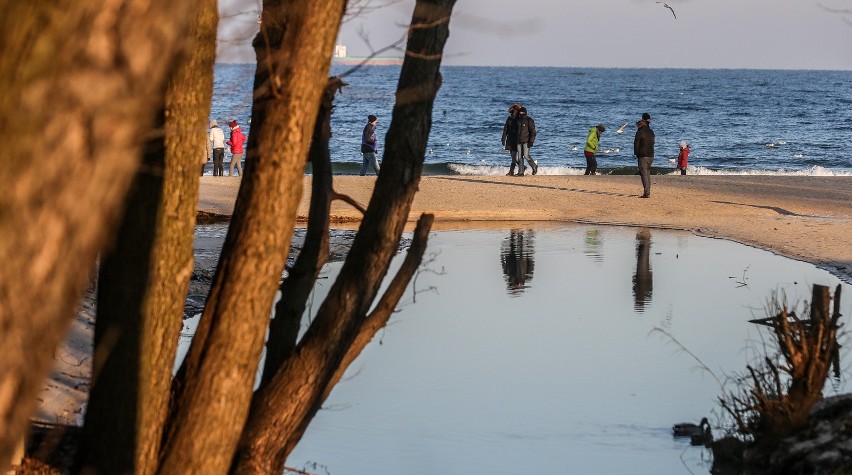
x: 776, y: 396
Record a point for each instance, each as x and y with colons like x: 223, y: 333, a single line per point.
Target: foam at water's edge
x: 810, y: 171
x: 493, y: 170
x: 502, y: 170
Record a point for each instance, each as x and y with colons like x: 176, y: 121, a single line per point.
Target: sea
x: 737, y: 122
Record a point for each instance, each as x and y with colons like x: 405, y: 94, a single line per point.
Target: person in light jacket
x: 218, y: 138
x: 591, y: 149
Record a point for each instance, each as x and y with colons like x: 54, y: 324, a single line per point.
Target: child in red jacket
x: 683, y: 157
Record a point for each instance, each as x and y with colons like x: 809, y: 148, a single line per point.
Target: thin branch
x: 378, y: 318
x: 685, y: 350
x: 347, y: 199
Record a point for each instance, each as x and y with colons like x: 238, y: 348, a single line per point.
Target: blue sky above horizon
x: 759, y: 34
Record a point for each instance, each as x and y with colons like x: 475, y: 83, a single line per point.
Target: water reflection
x: 643, y: 278
x: 439, y: 393
x: 516, y: 257
x: 594, y: 245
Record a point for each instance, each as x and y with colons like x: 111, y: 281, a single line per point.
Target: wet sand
x: 804, y: 218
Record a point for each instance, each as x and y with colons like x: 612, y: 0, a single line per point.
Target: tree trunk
x: 296, y: 288
x: 214, y: 388
x: 282, y: 410
x: 144, y: 279
x: 81, y: 83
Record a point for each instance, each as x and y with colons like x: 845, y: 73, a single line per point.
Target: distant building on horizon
x: 339, y: 51
x: 341, y: 57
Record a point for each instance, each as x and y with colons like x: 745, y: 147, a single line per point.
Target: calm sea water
x: 737, y: 121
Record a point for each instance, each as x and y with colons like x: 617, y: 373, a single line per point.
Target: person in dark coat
x: 510, y: 137
x: 526, y: 138
x: 369, y: 146
x: 643, y: 149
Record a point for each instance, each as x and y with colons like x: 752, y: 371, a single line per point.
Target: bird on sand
x: 621, y: 129
x: 669, y: 7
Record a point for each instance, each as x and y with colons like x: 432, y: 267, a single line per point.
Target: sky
x: 759, y: 34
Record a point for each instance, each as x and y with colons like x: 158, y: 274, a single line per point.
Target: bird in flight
x: 621, y: 129
x: 669, y: 7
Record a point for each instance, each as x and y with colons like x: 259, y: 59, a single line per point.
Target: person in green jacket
x: 592, y: 148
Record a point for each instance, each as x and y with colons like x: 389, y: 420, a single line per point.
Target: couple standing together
x: 518, y: 137
x: 237, y: 144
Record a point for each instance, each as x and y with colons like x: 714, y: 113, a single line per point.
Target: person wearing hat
x: 591, y: 149
x: 643, y: 149
x: 238, y: 140
x: 510, y: 137
x: 369, y: 146
x: 683, y: 157
x: 526, y: 138
x: 218, y: 138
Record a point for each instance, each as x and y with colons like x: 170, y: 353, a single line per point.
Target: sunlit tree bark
x: 283, y: 408
x: 296, y: 288
x: 214, y: 387
x: 81, y: 83
x: 144, y: 279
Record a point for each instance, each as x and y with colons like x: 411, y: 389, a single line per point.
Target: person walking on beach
x: 369, y: 146
x: 238, y: 140
x: 683, y: 157
x: 526, y: 138
x: 591, y: 149
x: 218, y: 138
x: 643, y: 149
x: 510, y: 137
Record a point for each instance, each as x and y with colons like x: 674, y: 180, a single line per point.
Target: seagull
x: 669, y: 7
x: 621, y: 129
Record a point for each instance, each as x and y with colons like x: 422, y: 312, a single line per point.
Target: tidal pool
x: 531, y: 349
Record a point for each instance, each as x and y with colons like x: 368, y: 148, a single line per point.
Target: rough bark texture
x: 282, y: 410
x: 297, y: 287
x: 214, y: 388
x: 144, y: 279
x: 81, y: 83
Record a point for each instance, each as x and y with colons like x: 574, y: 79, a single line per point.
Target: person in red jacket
x: 683, y: 157
x: 237, y: 142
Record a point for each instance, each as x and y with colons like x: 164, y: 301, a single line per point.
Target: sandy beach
x: 804, y: 218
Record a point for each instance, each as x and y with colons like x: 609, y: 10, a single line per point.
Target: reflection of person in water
x: 594, y: 245
x: 516, y: 256
x: 643, y: 281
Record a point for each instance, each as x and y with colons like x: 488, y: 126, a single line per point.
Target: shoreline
x: 805, y: 218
